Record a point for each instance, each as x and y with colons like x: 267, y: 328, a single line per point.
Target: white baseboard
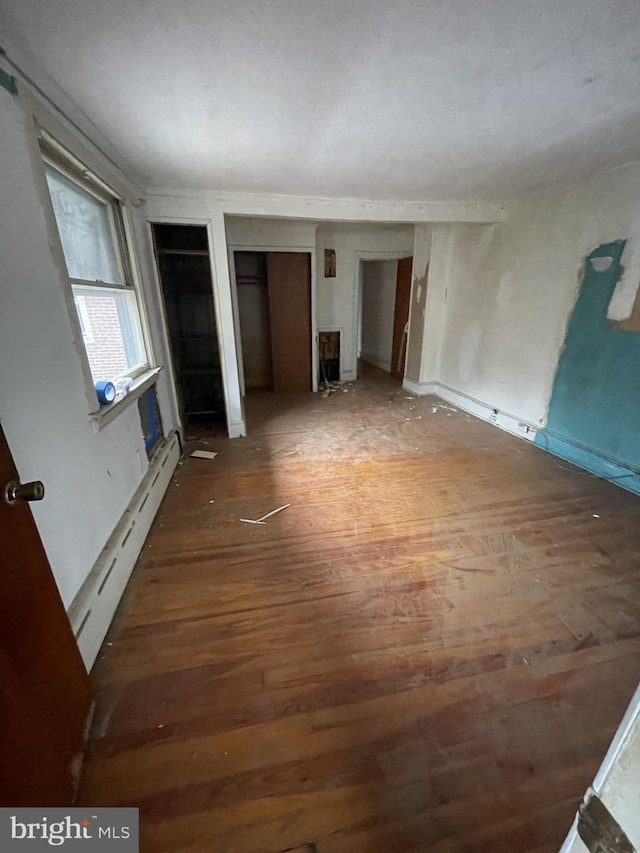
x: 503, y: 420
x: 419, y: 388
x: 94, y: 606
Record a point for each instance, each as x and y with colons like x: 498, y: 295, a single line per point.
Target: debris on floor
x: 203, y: 454
x: 444, y: 406
x: 327, y: 388
x: 263, y: 518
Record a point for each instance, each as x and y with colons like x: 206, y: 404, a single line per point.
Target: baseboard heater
x: 503, y: 420
x: 94, y: 606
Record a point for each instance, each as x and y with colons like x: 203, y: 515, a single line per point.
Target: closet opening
x: 274, y: 312
x: 184, y: 267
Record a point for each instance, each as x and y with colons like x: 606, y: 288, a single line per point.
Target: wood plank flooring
x: 430, y: 650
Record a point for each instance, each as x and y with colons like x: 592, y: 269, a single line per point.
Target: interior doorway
x: 274, y: 312
x: 384, y: 299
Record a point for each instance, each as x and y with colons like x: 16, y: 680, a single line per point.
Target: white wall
x: 505, y: 291
x: 378, y: 299
x: 44, y: 403
x: 337, y: 298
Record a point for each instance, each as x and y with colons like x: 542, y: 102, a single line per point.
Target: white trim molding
x: 318, y: 208
x: 573, y: 843
x: 419, y: 388
x: 504, y: 420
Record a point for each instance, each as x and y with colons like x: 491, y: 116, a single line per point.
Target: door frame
x: 308, y: 250
x: 360, y: 256
x: 236, y: 318
x: 629, y: 722
x: 164, y: 326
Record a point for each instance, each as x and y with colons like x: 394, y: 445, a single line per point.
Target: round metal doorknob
x: 15, y: 491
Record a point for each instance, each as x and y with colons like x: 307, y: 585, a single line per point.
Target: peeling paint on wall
x: 8, y: 82
x: 420, y: 295
x: 594, y: 409
x: 625, y: 299
x: 416, y: 328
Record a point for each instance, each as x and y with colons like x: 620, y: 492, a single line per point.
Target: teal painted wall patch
x: 8, y: 82
x: 594, y: 412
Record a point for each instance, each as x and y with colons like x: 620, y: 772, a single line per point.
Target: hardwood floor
x: 430, y: 650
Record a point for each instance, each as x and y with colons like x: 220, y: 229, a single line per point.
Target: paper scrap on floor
x: 204, y: 454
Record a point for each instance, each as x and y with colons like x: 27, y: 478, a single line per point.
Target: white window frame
x: 83, y: 318
x: 57, y: 158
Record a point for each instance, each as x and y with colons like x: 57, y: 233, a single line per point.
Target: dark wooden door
x: 45, y: 696
x: 401, y: 317
x: 289, y: 285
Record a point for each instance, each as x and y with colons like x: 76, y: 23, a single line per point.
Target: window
x: 92, y: 233
x: 83, y: 317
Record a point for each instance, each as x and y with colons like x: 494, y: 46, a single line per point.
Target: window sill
x: 105, y: 414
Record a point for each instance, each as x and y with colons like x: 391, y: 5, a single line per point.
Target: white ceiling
x: 420, y: 100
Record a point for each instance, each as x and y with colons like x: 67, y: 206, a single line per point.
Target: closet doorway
x: 274, y: 310
x: 184, y: 266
